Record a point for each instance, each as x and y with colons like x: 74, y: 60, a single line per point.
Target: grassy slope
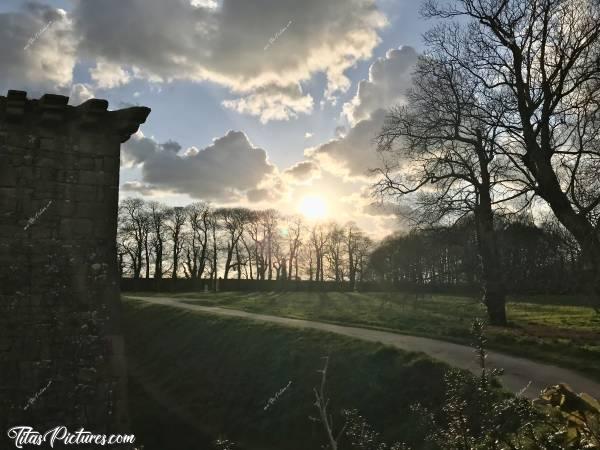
x: 567, y: 336
x: 195, y: 377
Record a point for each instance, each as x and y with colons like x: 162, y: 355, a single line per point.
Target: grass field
x: 195, y: 377
x: 567, y: 336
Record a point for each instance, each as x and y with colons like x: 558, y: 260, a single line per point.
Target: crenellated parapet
x: 59, y: 296
x: 54, y: 111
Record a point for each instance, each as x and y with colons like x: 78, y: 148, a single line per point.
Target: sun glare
x: 313, y: 207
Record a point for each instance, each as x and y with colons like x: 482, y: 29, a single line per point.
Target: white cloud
x: 198, y: 40
x: 108, y: 75
x: 273, y: 103
x: 353, y: 151
x: 389, y: 79
x: 225, y: 44
x: 80, y: 93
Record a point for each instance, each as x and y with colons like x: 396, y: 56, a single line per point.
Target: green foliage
x: 475, y: 416
x: 224, y: 444
x: 577, y: 415
x: 361, y: 435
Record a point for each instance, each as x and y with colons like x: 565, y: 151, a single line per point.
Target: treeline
x: 200, y: 241
x: 535, y: 258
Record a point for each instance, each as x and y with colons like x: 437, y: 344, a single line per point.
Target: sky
x: 256, y: 103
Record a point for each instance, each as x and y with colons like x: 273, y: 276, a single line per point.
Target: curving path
x: 518, y: 372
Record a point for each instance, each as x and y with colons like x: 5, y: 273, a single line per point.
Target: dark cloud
x: 136, y: 186
x: 223, y: 171
x: 387, y: 209
x: 37, y: 50
x: 303, y: 170
x: 355, y: 153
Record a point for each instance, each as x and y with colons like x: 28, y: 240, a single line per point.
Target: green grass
x: 567, y: 336
x: 196, y: 377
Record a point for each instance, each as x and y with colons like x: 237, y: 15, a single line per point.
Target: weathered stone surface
x: 61, y: 353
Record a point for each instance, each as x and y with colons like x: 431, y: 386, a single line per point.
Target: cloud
x: 389, y: 79
x: 353, y: 151
x: 137, y: 186
x: 225, y: 44
x: 273, y: 103
x: 37, y: 50
x: 108, y: 75
x: 224, y: 171
x: 353, y: 154
x: 303, y: 171
x: 80, y: 93
x: 196, y: 40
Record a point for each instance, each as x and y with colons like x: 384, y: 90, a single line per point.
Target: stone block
x: 90, y: 177
x: 84, y: 193
x: 8, y: 199
x: 75, y: 228
x: 86, y: 163
x: 48, y: 143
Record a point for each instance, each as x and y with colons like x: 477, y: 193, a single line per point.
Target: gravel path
x: 518, y: 372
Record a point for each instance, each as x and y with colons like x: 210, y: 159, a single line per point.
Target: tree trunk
x: 158, y: 272
x: 228, y: 262
x: 494, y: 293
x: 238, y: 262
x: 147, y: 256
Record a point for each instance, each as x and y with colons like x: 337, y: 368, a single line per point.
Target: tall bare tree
x: 270, y: 220
x: 234, y: 221
x: 539, y: 64
x: 318, y: 242
x: 196, y: 252
x: 335, y: 251
x: 134, y: 228
x: 439, y: 151
x: 176, y: 218
x: 157, y: 213
x: 295, y: 226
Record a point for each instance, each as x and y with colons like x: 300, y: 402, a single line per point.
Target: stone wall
x: 61, y: 351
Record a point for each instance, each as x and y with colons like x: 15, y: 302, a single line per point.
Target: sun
x: 313, y: 207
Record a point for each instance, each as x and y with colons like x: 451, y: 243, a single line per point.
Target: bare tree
x: 539, y: 64
x: 318, y: 240
x: 357, y: 248
x: 134, y: 228
x: 270, y: 219
x: 213, y: 225
x: 295, y: 225
x: 334, y: 253
x: 157, y: 213
x: 257, y: 246
x: 234, y: 221
x: 198, y: 215
x: 176, y: 218
x: 439, y: 151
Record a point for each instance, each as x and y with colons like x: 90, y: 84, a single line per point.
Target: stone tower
x: 61, y: 349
